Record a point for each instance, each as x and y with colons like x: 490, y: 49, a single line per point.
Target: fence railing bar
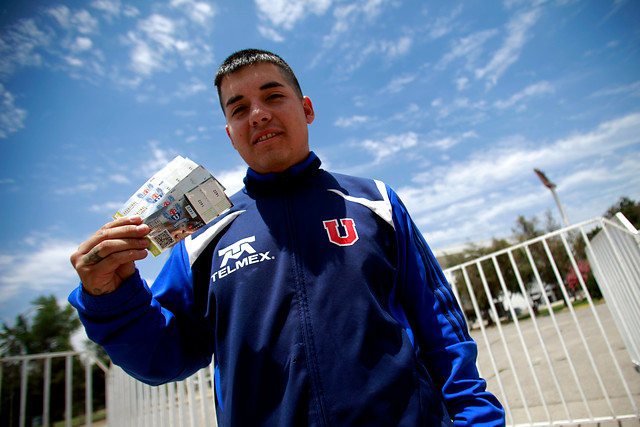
x: 514, y: 317
x: 181, y: 398
x: 575, y: 320
x: 212, y: 378
x: 605, y: 275
x: 627, y: 274
x: 46, y: 392
x: 626, y: 291
x: 579, y: 327
x: 543, y: 345
x: 583, y: 285
x: 24, y: 374
x: 139, y: 392
x: 502, y: 338
x: 162, y: 402
x: 88, y: 387
x: 545, y: 297
x: 193, y: 410
x: 205, y: 405
x: 155, y: 406
x: 68, y: 390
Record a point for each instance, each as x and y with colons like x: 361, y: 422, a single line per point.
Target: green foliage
x: 45, y: 327
x: 49, y: 331
x: 629, y: 209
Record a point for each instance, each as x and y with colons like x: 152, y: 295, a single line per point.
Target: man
x: 316, y: 294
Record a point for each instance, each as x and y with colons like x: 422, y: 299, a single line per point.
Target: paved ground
x: 566, y: 387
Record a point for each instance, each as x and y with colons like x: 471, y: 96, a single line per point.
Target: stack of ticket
x: 175, y: 202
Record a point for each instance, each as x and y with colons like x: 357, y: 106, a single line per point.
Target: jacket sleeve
x: 442, y: 340
x: 152, y: 333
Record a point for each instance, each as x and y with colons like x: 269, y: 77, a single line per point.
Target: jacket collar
x: 295, y: 175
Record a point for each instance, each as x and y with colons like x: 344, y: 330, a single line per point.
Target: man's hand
x: 107, y: 258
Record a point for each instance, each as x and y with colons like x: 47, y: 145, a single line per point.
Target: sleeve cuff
x: 109, y: 302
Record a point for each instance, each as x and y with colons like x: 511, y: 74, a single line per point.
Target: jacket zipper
x: 305, y: 319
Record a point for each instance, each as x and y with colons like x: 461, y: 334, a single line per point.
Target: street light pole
x: 551, y: 186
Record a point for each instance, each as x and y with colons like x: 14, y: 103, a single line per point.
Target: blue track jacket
x: 321, y: 304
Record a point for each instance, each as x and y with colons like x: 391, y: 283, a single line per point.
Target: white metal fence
x: 188, y: 403
x: 553, y: 363
x: 28, y: 367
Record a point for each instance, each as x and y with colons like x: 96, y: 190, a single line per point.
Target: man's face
x: 266, y: 119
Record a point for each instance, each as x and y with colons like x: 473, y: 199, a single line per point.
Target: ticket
x: 176, y: 201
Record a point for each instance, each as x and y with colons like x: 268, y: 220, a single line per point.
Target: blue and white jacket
x: 320, y: 303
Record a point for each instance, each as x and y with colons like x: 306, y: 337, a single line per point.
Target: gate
x: 548, y: 348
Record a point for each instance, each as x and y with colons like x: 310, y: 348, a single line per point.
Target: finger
x: 106, y: 277
x: 109, y: 247
x: 121, y: 263
x: 93, y: 257
x: 122, y: 228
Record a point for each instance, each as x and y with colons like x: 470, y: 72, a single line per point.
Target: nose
x: 259, y: 114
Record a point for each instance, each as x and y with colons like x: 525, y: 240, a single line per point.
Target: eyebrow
x: 265, y: 86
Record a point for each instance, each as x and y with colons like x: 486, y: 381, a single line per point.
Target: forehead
x: 250, y: 77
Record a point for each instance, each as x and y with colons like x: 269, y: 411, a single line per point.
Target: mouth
x: 265, y: 137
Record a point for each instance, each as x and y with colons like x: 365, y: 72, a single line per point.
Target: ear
x: 226, y: 127
x: 307, y: 106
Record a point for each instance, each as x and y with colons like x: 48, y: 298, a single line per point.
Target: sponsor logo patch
x: 241, y: 254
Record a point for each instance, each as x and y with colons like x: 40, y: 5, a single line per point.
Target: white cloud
x: 453, y: 185
x: 443, y: 25
x: 349, y: 16
x: 11, y: 117
x: 287, y: 13
x: 536, y: 89
x: 119, y: 178
x: 44, y: 268
x: 389, y: 145
x: 461, y: 103
x: 110, y: 7
x: 632, y: 89
x: 20, y: 45
x: 144, y: 59
x: 157, y: 159
x: 270, y: 33
x: 195, y: 86
x: 449, y: 142
x: 397, y: 84
x: 469, y: 47
x: 160, y: 42
x: 345, y: 122
x: 81, y: 44
x: 81, y: 21
x: 198, y: 11
x: 462, y: 83
x: 232, y: 179
x: 518, y: 29
x: 400, y: 47
x: 87, y: 187
x: 108, y: 208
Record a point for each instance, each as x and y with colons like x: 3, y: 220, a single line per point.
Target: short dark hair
x: 245, y: 57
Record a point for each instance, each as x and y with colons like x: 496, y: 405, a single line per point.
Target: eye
x: 275, y: 96
x: 237, y: 110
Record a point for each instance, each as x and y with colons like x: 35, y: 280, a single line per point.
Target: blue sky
x: 451, y: 103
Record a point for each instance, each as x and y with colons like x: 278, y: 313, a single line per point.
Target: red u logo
x: 334, y: 236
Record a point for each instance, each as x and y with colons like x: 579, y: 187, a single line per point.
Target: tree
x: 44, y: 328
x: 629, y: 209
x: 49, y: 331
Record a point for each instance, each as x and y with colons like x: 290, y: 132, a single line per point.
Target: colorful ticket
x: 176, y: 201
